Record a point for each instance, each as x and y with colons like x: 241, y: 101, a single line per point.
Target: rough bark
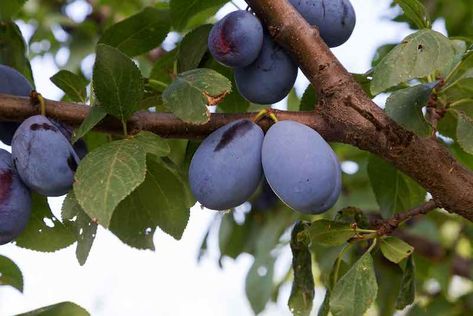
x: 344, y: 114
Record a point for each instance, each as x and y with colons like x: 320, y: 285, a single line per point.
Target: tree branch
x: 388, y: 226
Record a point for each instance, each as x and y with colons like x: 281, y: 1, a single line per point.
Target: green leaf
x: 421, y: 54
x: 8, y: 8
x: 183, y: 10
x: 107, y: 176
x: 465, y: 132
x: 188, y: 96
x: 356, y: 290
x: 10, y: 274
x: 139, y: 33
x: 407, y: 292
x: 152, y: 144
x: 394, y: 249
x: 160, y: 201
x: 329, y: 233
x: 85, y: 228
x: 44, y: 231
x: 95, y: 116
x: 193, y: 48
x: 117, y: 82
x: 60, y: 309
x: 394, y: 191
x: 163, y: 69
x: 463, y: 70
x: 416, y: 12
x: 73, y: 85
x: 259, y: 282
x: 405, y: 107
x: 302, y: 293
x: 309, y: 99
x: 324, y: 310
x: 13, y: 49
x: 381, y: 52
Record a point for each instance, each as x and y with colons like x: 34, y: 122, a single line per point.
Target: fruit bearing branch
x: 344, y: 114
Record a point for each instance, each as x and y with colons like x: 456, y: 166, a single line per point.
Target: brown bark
x: 344, y: 114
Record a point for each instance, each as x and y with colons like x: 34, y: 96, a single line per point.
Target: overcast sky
x: 118, y: 280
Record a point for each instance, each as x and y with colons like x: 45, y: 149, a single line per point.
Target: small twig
x: 390, y: 225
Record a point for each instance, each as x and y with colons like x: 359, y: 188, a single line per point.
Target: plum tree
x: 14, y: 83
x: 236, y: 40
x: 270, y: 77
x: 335, y: 19
x: 15, y: 200
x: 226, y: 168
x: 301, y: 167
x: 44, y: 157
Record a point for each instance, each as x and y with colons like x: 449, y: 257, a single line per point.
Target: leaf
x: 160, y: 201
x: 10, y: 274
x: 394, y: 249
x: 356, y: 290
x: 193, y: 48
x: 324, y: 310
x: 117, y: 82
x: 381, y: 52
x: 139, y: 33
x: 44, y: 231
x: 416, y: 12
x: 73, y: 85
x: 9, y: 8
x: 421, y: 54
x: 188, y: 96
x: 405, y: 107
x: 107, y: 176
x: 309, y: 99
x: 163, y: 69
x: 407, y: 292
x: 259, y: 282
x: 302, y: 293
x: 465, y: 132
x: 60, y: 309
x: 152, y: 144
x: 95, y: 116
x: 85, y: 228
x: 183, y: 10
x: 329, y: 233
x: 13, y: 49
x: 394, y: 191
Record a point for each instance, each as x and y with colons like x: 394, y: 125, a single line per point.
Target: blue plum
x: 335, y: 19
x: 44, y: 157
x: 236, y: 40
x: 15, y: 200
x: 79, y: 146
x: 270, y: 78
x: 301, y: 167
x: 14, y: 83
x: 226, y: 168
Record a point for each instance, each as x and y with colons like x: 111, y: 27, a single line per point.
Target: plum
x: 79, y: 146
x: 44, y: 157
x: 335, y: 19
x: 236, y: 40
x: 14, y: 83
x: 226, y: 168
x: 15, y: 200
x: 270, y: 78
x: 301, y: 167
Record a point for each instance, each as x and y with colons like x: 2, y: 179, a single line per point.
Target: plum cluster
x: 264, y: 72
x: 297, y: 163
x: 42, y: 160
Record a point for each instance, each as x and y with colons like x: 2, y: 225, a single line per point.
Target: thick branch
x: 345, y: 106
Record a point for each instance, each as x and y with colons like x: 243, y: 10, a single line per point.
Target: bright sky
x: 120, y: 281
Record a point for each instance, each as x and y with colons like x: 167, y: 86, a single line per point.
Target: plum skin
x: 270, y: 78
x: 15, y: 200
x: 335, y: 19
x: 236, y: 40
x: 301, y: 167
x: 44, y: 157
x: 226, y: 168
x: 14, y: 83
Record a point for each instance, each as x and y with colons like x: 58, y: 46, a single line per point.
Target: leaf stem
x: 125, y: 128
x: 157, y: 85
x: 338, y: 262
